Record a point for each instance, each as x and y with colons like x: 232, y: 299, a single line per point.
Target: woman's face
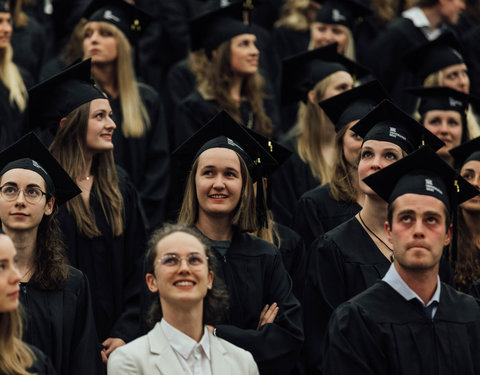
x: 244, y: 54
x: 323, y: 34
x: 471, y: 172
x: 20, y: 214
x: 376, y: 155
x: 340, y: 81
x: 352, y: 143
x: 9, y: 276
x: 100, y: 127
x: 5, y: 29
x: 446, y: 125
x: 218, y: 182
x: 99, y: 44
x: 456, y: 77
x: 181, y: 271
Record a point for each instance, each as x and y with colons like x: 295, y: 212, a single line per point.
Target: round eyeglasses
x: 174, y: 260
x: 32, y: 194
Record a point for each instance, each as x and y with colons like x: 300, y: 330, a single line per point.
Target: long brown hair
x: 244, y: 218
x: 217, y: 84
x: 15, y: 356
x: 11, y: 78
x: 68, y: 147
x: 467, y: 266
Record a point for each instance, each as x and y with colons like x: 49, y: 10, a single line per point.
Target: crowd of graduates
x: 215, y: 187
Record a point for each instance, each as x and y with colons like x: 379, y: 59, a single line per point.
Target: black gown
x: 379, y: 332
x: 289, y: 182
x: 317, y: 213
x: 113, y: 265
x: 255, y: 276
x: 146, y: 159
x: 61, y: 324
x: 12, y: 121
x: 42, y: 364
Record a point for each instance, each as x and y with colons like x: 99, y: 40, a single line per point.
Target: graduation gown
x: 317, y: 213
x: 379, y: 332
x: 61, y: 324
x: 113, y: 264
x: 146, y: 159
x: 42, y: 364
x: 12, y: 121
x: 289, y: 182
x: 255, y: 276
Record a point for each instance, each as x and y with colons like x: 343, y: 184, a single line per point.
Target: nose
x: 110, y: 123
x: 15, y: 276
x: 20, y: 198
x: 254, y: 50
x: 418, y: 230
x: 183, y: 266
x: 218, y: 183
x: 376, y: 164
x: 476, y: 181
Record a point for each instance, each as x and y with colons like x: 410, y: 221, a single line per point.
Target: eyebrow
x: 215, y: 167
x: 16, y: 185
x: 426, y: 213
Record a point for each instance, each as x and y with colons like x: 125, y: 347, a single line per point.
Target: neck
x: 447, y: 158
x: 217, y: 228
x: 88, y: 165
x: 423, y: 282
x: 433, y: 16
x: 105, y: 76
x: 236, y: 88
x: 186, y: 319
x: 472, y: 221
x: 374, y: 214
x: 25, y: 243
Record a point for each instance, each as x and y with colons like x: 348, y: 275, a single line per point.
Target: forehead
x: 375, y: 145
x: 472, y: 165
x: 22, y: 177
x: 5, y: 16
x: 180, y: 243
x: 100, y: 104
x: 241, y: 37
x: 419, y: 204
x: 341, y: 76
x: 219, y: 157
x: 455, y: 67
x: 7, y: 250
x: 443, y: 114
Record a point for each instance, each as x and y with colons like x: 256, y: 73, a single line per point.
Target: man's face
x: 418, y: 232
x: 450, y: 10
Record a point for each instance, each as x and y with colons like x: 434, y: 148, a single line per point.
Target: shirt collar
x: 417, y: 16
x: 183, y: 344
x: 393, y: 279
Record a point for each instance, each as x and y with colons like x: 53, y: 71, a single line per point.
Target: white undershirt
x: 421, y: 21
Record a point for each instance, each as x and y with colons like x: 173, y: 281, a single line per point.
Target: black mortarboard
x: 387, y: 122
x: 466, y: 152
x: 130, y: 19
x: 435, y: 55
x: 342, y: 12
x: 55, y: 98
x: 353, y: 104
x: 4, y: 8
x: 422, y: 172
x: 30, y: 153
x: 301, y: 72
x: 216, y: 26
x: 441, y: 98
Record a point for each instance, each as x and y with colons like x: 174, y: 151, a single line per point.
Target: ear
x: 214, y: 53
x: 49, y: 207
x: 210, y: 280
x: 389, y: 231
x: 151, y: 282
x: 62, y: 121
x: 311, y: 97
x: 448, y: 236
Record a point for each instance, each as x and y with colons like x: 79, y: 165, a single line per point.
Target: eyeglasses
x: 173, y: 260
x: 31, y: 194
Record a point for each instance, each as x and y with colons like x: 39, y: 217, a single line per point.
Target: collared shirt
x: 393, y: 279
x: 193, y: 357
x: 421, y: 21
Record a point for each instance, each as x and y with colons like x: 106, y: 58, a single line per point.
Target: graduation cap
x: 342, y: 12
x: 29, y: 153
x: 441, y: 98
x: 435, y: 55
x: 130, y: 19
x: 224, y: 132
x: 301, y: 72
x: 216, y: 26
x: 467, y: 152
x: 56, y: 97
x: 387, y: 122
x: 4, y: 8
x: 353, y: 104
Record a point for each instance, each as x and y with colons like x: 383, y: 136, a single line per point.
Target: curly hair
x: 216, y: 300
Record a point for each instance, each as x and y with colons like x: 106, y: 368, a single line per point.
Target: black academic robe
x: 113, y: 264
x: 61, y: 324
x: 12, y: 121
x: 42, y: 364
x: 379, y: 332
x: 146, y: 159
x: 255, y: 276
x: 317, y: 213
x: 289, y: 182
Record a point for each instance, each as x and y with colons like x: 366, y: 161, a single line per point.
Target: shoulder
x: 129, y: 357
x: 463, y: 306
x: 147, y: 91
x: 252, y: 245
x: 41, y: 364
x: 319, y: 194
x: 243, y: 358
x: 76, y: 279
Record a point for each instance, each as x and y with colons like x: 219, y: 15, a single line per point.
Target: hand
x: 109, y: 345
x: 268, y: 315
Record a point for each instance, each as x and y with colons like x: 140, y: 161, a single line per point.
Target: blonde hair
x: 349, y: 51
x: 270, y: 232
x: 19, y: 17
x: 135, y: 117
x: 15, y: 356
x: 294, y: 15
x: 11, y: 78
x: 198, y: 64
x: 217, y: 86
x: 68, y: 147
x: 310, y: 131
x: 244, y: 217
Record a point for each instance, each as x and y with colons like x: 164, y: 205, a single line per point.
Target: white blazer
x: 152, y: 354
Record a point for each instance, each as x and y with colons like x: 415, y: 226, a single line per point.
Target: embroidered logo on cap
x: 432, y: 188
x: 108, y: 15
x: 337, y: 16
x: 394, y: 134
x: 454, y: 102
x: 36, y: 165
x: 232, y: 143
